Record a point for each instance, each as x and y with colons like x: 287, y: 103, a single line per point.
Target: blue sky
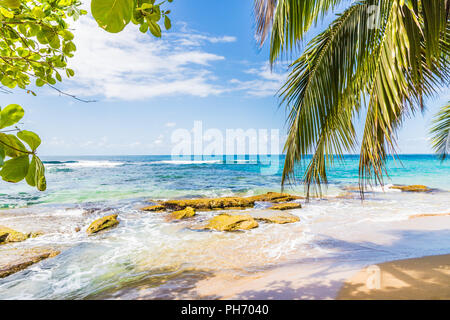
x: 208, y: 68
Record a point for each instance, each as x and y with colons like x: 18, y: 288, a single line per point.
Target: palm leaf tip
x: 441, y: 132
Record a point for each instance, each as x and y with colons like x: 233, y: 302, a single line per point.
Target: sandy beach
x: 410, y: 279
x: 347, y: 278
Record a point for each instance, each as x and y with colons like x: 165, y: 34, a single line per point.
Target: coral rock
x: 286, y: 206
x: 413, y: 188
x: 278, y: 218
x: 156, y: 208
x: 102, y: 224
x: 188, y: 212
x: 10, y: 235
x: 227, y: 222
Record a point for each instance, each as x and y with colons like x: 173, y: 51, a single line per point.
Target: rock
x: 227, y: 222
x: 209, y: 204
x: 10, y: 235
x: 185, y: 213
x: 412, y: 188
x: 286, y: 206
x: 34, y: 234
x: 225, y: 203
x: 278, y: 218
x: 14, y: 260
x: 275, y: 197
x: 156, y: 208
x: 77, y: 229
x: 103, y: 223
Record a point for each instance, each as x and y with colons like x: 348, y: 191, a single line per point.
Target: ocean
x: 148, y: 257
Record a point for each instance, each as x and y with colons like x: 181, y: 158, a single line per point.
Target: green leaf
x: 12, y: 145
x: 167, y: 23
x: 2, y: 156
x: 12, y: 4
x: 11, y: 115
x: 31, y: 138
x: 143, y: 28
x: 31, y: 175
x: 155, y: 29
x: 36, y: 174
x: 16, y: 169
x: 6, y: 13
x: 112, y: 15
x: 41, y: 183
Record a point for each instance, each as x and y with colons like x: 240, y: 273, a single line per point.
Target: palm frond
x: 289, y: 21
x: 393, y: 66
x: 441, y: 132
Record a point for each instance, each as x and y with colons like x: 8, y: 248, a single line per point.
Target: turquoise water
x: 82, y: 179
x: 148, y: 257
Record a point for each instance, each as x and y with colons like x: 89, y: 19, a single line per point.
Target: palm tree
x: 441, y: 132
x: 380, y: 59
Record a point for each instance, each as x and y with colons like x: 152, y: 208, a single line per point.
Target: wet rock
x: 14, y: 260
x: 225, y: 203
x: 209, y: 204
x: 34, y: 234
x: 227, y: 222
x: 286, y: 206
x: 278, y: 218
x: 9, y: 235
x: 77, y: 229
x: 188, y: 212
x: 275, y: 197
x: 155, y: 208
x: 103, y: 223
x: 412, y: 188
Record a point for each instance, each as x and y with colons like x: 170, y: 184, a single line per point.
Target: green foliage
x: 35, y: 41
x: 114, y: 15
x: 379, y: 58
x: 441, y: 132
x: 14, y: 156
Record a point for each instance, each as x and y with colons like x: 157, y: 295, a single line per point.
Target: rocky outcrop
x: 102, y: 224
x: 155, y: 208
x: 278, y: 218
x: 188, y: 212
x: 412, y: 188
x: 9, y: 235
x: 275, y: 197
x: 210, y: 204
x: 14, y: 260
x: 228, y: 222
x: 286, y: 206
x: 225, y: 203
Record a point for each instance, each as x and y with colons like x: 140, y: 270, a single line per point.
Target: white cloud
x: 170, y: 124
x: 266, y: 82
x: 133, y: 66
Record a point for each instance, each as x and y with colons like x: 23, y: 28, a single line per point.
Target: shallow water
x: 148, y: 257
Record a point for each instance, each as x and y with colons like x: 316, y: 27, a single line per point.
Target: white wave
x: 93, y: 164
x: 189, y: 162
x: 385, y: 188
